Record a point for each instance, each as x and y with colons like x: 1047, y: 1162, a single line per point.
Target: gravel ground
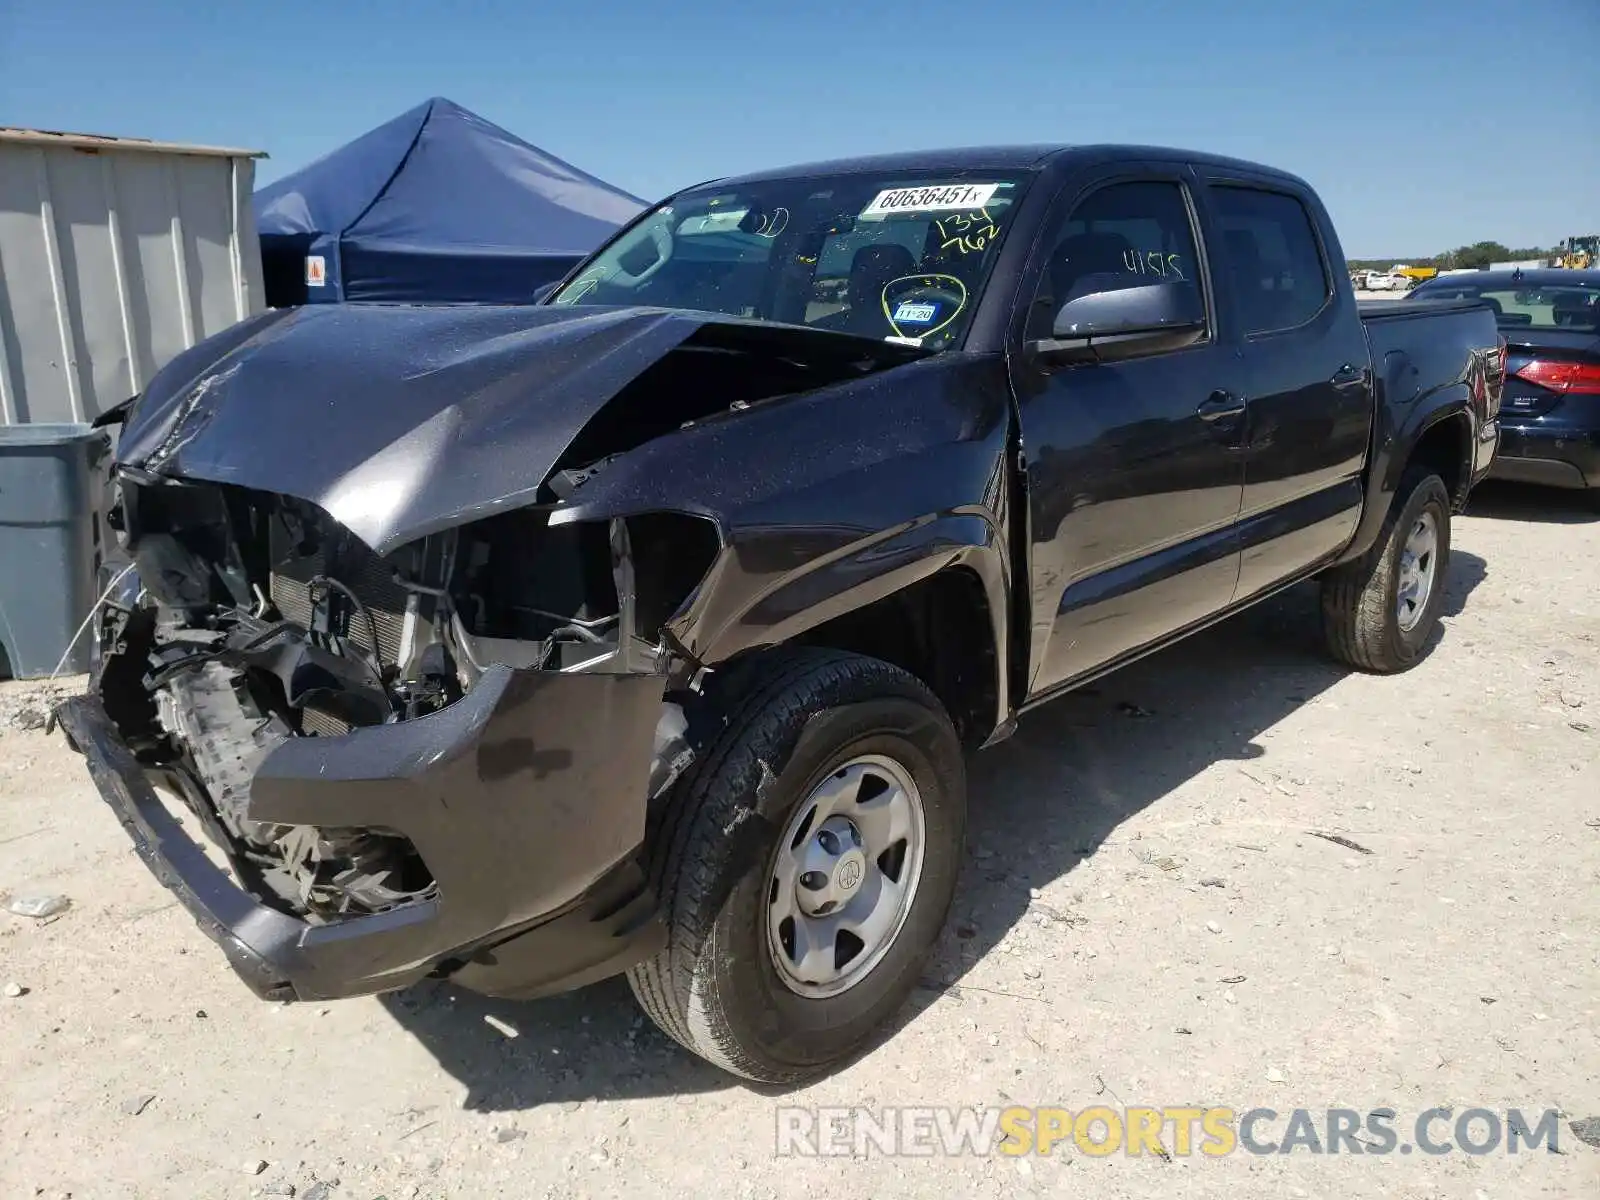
x: 1147, y: 919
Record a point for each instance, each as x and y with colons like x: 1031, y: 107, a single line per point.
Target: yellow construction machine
x: 1578, y: 253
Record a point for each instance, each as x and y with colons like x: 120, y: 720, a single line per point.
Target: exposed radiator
x: 322, y: 724
x: 365, y: 574
x: 350, y: 562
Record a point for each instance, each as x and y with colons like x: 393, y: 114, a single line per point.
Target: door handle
x: 1221, y: 406
x: 1348, y: 376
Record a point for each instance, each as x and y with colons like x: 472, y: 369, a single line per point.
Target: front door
x: 1134, y: 468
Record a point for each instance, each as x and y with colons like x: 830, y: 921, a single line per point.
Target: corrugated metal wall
x: 111, y: 263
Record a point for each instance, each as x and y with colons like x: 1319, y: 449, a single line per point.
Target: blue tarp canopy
x: 437, y: 205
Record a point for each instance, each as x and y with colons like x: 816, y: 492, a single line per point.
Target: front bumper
x: 526, y: 799
x: 1554, y: 455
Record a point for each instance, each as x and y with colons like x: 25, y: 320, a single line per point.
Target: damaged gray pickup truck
x: 643, y: 629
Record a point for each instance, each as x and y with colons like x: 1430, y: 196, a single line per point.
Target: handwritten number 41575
x: 1153, y: 262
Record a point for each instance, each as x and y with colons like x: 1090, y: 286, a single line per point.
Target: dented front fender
x: 829, y: 501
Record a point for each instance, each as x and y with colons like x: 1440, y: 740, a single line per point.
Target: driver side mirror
x: 1104, y: 326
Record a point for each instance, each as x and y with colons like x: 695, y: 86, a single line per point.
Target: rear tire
x: 1364, y: 618
x: 718, y: 988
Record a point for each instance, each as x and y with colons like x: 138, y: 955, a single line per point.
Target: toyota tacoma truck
x: 643, y: 629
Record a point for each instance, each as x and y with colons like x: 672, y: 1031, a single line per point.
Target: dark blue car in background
x: 1550, y: 412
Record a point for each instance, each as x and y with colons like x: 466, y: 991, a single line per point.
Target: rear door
x: 1133, y: 467
x: 1307, y: 375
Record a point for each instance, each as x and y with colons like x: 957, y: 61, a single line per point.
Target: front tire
x: 777, y: 967
x: 1380, y: 611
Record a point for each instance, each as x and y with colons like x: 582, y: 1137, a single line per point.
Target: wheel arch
x: 932, y: 599
x: 1444, y: 446
x: 1440, y: 435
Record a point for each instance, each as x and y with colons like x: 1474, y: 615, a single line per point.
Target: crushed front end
x: 435, y: 762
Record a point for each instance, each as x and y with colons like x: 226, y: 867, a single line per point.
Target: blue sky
x: 1425, y: 124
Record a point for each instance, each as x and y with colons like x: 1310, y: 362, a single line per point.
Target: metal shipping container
x: 116, y: 254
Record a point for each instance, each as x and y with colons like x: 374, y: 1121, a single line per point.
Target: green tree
x: 1479, y: 254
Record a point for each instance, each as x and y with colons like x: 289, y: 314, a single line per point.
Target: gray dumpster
x: 49, y: 545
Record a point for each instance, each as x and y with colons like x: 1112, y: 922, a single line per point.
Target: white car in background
x: 1382, y: 281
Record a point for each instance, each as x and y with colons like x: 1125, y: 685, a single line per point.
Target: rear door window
x: 1273, y: 259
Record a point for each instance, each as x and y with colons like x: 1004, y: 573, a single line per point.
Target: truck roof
x: 1000, y: 158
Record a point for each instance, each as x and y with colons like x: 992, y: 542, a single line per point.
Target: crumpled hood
x: 397, y: 421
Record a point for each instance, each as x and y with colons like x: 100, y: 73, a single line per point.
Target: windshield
x: 1570, y: 306
x: 893, y: 257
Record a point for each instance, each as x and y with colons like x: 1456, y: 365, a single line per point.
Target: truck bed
x: 1415, y: 344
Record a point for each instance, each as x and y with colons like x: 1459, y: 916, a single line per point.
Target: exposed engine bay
x: 260, y: 620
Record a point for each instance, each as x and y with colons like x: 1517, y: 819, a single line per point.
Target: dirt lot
x: 1146, y: 920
